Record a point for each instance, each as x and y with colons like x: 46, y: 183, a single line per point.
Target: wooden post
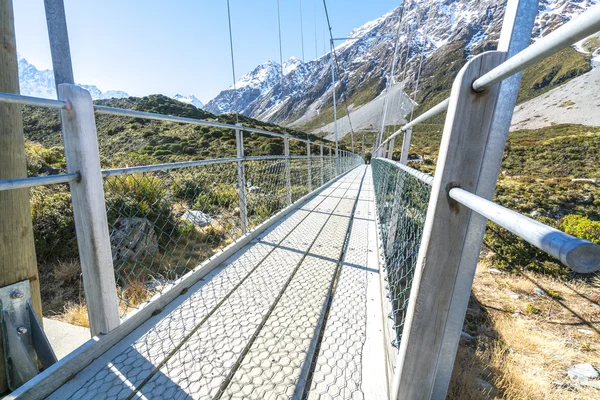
x: 239, y: 143
x: 17, y: 248
x: 288, y: 182
x: 425, y: 334
x: 59, y: 42
x: 89, y: 209
x: 405, y: 146
x: 309, y: 167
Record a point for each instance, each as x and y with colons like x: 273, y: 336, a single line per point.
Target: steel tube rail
x: 31, y: 101
x: 422, y: 176
x: 438, y: 109
x: 21, y: 183
x: 184, y: 120
x: 164, y: 167
x: 578, y: 254
x: 568, y: 34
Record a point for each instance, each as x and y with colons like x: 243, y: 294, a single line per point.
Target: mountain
x: 34, y: 82
x: 191, y: 99
x: 251, y: 86
x: 446, y: 32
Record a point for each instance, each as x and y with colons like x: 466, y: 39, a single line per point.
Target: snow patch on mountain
x: 191, y: 99
x: 36, y: 83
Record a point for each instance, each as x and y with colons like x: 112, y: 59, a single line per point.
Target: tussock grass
x: 525, y: 355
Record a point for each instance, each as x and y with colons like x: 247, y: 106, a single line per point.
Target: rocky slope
x: 447, y: 32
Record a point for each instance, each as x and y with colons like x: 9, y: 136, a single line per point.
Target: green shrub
x: 219, y: 197
x: 581, y: 227
x: 53, y: 224
x: 135, y: 196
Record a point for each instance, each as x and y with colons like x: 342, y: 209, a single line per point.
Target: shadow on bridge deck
x: 294, y: 314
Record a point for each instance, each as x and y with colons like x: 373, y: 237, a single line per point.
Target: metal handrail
x: 21, y: 183
x: 580, y: 255
x: 568, y: 34
x: 11, y: 98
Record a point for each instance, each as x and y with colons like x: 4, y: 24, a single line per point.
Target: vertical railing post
x: 89, y: 209
x: 331, y: 166
x: 391, y: 148
x: 322, y: 165
x: 239, y: 144
x: 59, y: 42
x: 309, y: 165
x: 452, y: 234
x: 405, y: 146
x: 288, y: 181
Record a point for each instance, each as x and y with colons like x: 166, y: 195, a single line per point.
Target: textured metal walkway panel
x: 137, y: 357
x: 279, y: 360
x: 203, y: 362
x: 339, y: 366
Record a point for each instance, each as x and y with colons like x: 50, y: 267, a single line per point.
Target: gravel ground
x: 575, y: 102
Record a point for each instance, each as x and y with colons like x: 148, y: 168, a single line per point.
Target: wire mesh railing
x: 401, y: 200
x: 165, y: 223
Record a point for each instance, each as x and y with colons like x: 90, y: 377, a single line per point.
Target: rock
x: 254, y: 189
x: 158, y: 284
x: 466, y: 336
x: 516, y: 314
x: 539, y: 291
x: 132, y: 238
x: 587, y: 199
x: 513, y: 295
x: 585, y: 331
x: 494, y: 271
x: 486, y: 387
x: 535, y: 214
x: 198, y: 218
x: 583, y: 373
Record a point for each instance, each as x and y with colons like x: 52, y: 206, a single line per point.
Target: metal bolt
x: 16, y: 294
x: 21, y: 330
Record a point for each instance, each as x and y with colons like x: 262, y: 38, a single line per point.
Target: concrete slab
x: 64, y: 337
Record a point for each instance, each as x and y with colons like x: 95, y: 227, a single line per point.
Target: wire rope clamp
x: 26, y: 347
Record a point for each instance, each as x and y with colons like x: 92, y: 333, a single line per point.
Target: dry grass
x: 525, y: 354
x: 75, y: 314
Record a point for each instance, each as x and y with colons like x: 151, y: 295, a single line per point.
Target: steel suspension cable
x: 280, y: 48
x: 315, y: 20
x: 232, y: 57
x: 337, y: 67
x: 390, y: 80
x: 301, y: 31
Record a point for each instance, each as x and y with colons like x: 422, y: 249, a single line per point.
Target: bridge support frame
x: 288, y: 181
x: 241, y: 170
x: 405, y: 146
x: 452, y: 234
x: 89, y: 209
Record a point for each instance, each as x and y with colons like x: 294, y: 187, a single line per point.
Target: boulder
x: 132, y: 238
x: 197, y: 218
x: 584, y: 374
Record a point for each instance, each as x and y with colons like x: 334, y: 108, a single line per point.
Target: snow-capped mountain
x: 251, y: 86
x: 34, y: 82
x: 462, y: 28
x: 191, y: 99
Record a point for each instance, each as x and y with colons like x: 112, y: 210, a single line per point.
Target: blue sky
x: 181, y: 46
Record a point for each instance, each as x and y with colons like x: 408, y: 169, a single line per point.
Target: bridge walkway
x: 296, y: 313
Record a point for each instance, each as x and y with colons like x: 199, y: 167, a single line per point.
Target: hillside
x: 135, y: 141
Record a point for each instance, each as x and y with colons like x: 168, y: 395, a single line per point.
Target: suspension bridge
x: 307, y: 275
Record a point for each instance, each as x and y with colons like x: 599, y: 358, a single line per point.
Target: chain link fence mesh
x: 165, y: 223
x: 402, y: 201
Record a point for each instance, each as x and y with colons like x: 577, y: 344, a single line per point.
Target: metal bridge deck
x: 294, y: 314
